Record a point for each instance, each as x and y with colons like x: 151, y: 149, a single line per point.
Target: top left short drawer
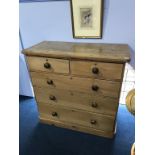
x: 50, y: 65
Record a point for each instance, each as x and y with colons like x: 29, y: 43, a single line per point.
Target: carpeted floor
x: 40, y: 139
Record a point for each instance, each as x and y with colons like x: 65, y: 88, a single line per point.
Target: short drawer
x: 72, y: 99
x: 87, y: 119
x: 109, y: 71
x: 84, y: 85
x: 48, y: 64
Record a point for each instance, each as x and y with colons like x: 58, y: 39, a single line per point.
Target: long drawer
x: 76, y: 127
x: 86, y: 85
x: 50, y: 65
x: 83, y: 101
x: 87, y: 119
x: 101, y: 70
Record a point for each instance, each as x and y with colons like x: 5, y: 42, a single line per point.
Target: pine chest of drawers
x: 77, y: 85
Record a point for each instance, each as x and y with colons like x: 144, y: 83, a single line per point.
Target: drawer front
x: 86, y: 85
x: 76, y: 127
x: 109, y: 71
x: 92, y: 103
x: 87, y: 119
x: 48, y: 65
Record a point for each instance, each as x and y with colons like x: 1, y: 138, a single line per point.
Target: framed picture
x: 87, y: 18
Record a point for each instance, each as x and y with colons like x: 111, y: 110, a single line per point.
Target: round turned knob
x: 54, y: 114
x: 47, y: 65
x: 94, y: 105
x: 93, y: 121
x: 52, y: 98
x: 50, y: 82
x: 95, y: 87
x: 95, y: 70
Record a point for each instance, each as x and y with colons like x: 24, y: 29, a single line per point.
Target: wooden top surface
x: 86, y: 51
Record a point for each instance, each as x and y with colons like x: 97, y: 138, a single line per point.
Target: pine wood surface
x: 86, y: 51
x: 109, y: 71
x: 84, y: 118
x: 66, y: 71
x: 72, y: 99
x: 76, y: 127
x: 83, y: 85
x: 56, y: 65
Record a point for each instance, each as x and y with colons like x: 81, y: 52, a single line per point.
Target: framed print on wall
x: 87, y: 18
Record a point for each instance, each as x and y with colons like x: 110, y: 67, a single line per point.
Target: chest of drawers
x: 77, y: 85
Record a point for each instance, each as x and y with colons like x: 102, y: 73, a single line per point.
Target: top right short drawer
x: 100, y: 70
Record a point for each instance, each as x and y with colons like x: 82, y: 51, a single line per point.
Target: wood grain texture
x: 76, y: 127
x: 68, y: 93
x: 84, y: 85
x: 56, y: 65
x: 87, y: 51
x: 109, y: 71
x: 78, y: 117
x: 81, y: 101
x: 130, y: 101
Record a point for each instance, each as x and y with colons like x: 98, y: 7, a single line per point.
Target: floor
x: 40, y: 139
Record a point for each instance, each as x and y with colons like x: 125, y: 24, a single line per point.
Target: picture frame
x: 87, y: 18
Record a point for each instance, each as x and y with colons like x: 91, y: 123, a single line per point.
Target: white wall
x: 25, y: 87
x: 52, y: 21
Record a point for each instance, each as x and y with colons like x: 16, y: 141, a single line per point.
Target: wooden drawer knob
x: 54, y: 114
x: 50, y: 82
x: 93, y: 122
x: 95, y: 70
x: 95, y: 87
x: 94, y: 105
x: 52, y: 97
x: 47, y: 65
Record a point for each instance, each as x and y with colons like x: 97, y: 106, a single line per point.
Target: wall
x: 52, y: 21
x: 25, y: 87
